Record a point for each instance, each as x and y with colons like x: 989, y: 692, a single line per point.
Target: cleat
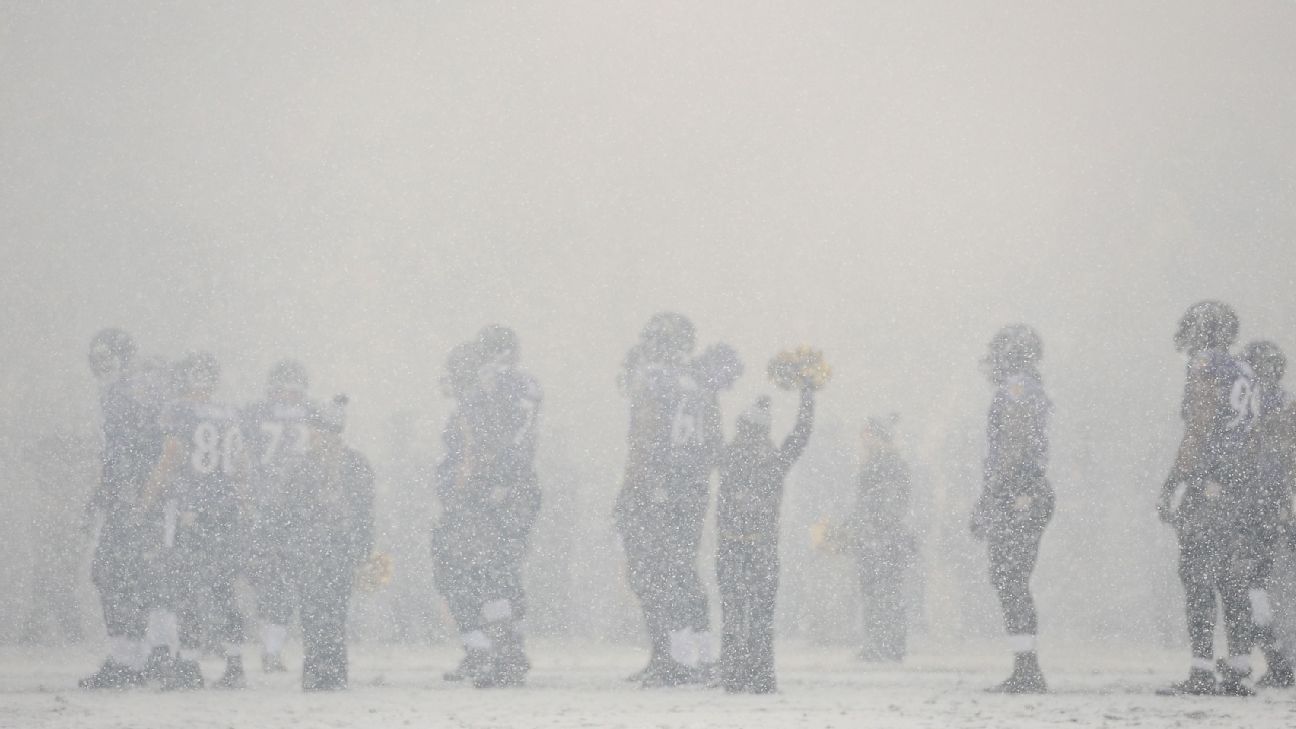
x: 474, y: 662
x: 272, y: 663
x: 1277, y: 678
x: 184, y: 676
x: 1199, y: 683
x: 1231, y: 681
x: 233, y: 678
x: 158, y: 663
x: 507, y: 667
x: 1026, y: 677
x: 669, y: 674
x: 1279, y: 672
x: 639, y: 675
x: 113, y: 675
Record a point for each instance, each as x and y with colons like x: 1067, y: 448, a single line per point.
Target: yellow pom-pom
x: 794, y: 369
x: 374, y: 573
x: 827, y: 537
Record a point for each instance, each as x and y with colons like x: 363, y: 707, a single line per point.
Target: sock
x: 1261, y: 610
x: 496, y: 610
x: 123, y: 651
x: 1203, y: 664
x: 684, y: 647
x: 273, y: 637
x: 163, y: 630
x: 1240, y: 664
x: 476, y: 640
x: 1022, y: 643
x: 232, y: 651
x: 706, y: 646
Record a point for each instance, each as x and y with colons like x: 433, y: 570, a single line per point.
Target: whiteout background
x: 362, y: 186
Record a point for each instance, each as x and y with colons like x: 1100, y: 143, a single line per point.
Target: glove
x: 978, y: 524
x: 1172, y: 496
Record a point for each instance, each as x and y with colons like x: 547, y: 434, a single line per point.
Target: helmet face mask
x: 668, y: 337
x: 197, y: 374
x: 499, y: 344
x: 463, y: 365
x: 111, y: 351
x: 105, y: 365
x: 1266, y: 360
x: 1015, y: 348
x: 718, y: 367
x: 287, y: 376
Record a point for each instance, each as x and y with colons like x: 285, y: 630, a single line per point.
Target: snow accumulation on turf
x: 583, y: 686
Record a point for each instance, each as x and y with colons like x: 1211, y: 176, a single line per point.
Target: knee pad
x: 493, y: 611
x: 1261, y: 609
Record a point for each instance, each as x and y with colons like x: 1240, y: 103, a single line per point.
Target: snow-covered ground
x: 581, y: 686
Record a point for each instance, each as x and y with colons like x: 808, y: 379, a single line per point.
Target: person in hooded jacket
x: 752, y: 475
x: 881, y: 541
x: 330, y: 531
x: 1016, y: 500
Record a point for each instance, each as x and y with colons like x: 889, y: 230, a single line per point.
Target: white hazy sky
x: 363, y: 184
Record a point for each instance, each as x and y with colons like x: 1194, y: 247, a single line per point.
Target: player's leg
x: 764, y: 584
x: 116, y: 572
x: 1197, y: 570
x: 1012, y: 561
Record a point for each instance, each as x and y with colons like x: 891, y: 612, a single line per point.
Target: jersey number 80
x: 213, y: 450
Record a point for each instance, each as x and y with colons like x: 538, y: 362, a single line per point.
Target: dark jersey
x: 501, y: 416
x: 490, y: 442
x: 696, y: 436
x: 672, y: 426
x: 277, y: 437
x: 1220, y: 409
x: 1017, y: 438
x: 1276, y: 460
x: 132, y: 439
x: 212, y: 460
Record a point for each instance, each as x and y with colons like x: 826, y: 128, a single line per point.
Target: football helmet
x: 110, y: 351
x: 1206, y: 325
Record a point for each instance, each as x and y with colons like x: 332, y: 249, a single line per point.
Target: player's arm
x: 163, y: 471
x: 795, y: 442
x: 1198, y: 412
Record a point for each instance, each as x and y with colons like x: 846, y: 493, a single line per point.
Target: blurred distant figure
x: 62, y: 466
x: 752, y: 475
x: 1016, y: 501
x: 880, y: 538
x: 490, y: 499
x: 674, y: 441
x: 277, y: 432
x: 198, y: 491
x: 1210, y: 498
x: 130, y: 399
x: 1277, y: 460
x: 330, y: 536
x: 404, y: 513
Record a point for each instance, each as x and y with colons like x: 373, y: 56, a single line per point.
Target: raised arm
x: 796, y: 441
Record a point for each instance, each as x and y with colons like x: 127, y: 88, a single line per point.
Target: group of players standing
x: 1228, y: 497
x: 194, y: 493
x: 187, y: 482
